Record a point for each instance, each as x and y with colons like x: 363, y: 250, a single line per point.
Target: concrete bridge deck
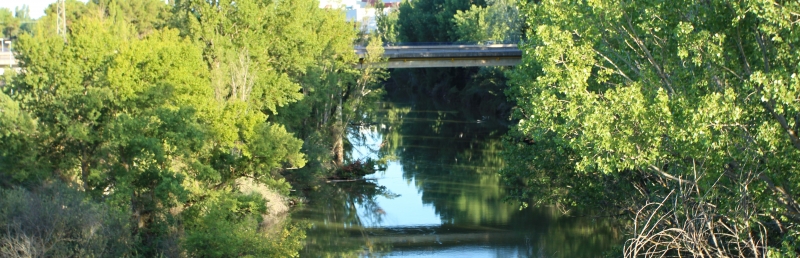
x: 447, y: 56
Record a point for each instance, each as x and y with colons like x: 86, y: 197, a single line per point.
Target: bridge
x: 426, y: 56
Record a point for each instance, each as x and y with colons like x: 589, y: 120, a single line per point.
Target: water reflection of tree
x: 454, y: 160
x: 386, y: 122
x: 547, y: 232
x: 337, y: 229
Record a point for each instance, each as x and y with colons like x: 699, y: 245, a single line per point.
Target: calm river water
x: 439, y: 196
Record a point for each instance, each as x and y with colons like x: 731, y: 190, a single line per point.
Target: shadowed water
x: 439, y: 196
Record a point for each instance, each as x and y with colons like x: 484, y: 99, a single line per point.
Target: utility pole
x: 61, y: 20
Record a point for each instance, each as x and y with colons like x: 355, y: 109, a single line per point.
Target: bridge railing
x: 441, y: 50
x: 454, y: 43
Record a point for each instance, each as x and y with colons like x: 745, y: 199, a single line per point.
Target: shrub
x: 228, y: 225
x: 57, y: 221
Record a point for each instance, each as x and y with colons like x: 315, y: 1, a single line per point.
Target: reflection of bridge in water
x: 426, y: 56
x: 441, y: 236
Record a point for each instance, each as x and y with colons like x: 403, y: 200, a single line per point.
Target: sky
x: 337, y: 3
x: 36, y: 6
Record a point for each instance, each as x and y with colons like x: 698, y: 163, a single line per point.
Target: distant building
x: 334, y: 4
x: 370, y: 2
x: 7, y: 60
x: 351, y: 15
x: 5, y: 45
x: 361, y: 11
x: 386, y: 3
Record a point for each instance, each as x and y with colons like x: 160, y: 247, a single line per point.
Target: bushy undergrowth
x: 230, y: 226
x: 56, y: 221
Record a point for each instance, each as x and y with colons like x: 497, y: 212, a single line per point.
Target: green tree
x: 9, y: 22
x: 12, y: 24
x: 430, y: 20
x: 251, y: 77
x: 144, y: 15
x: 471, y: 25
x: 505, y: 20
x: 678, y: 93
x: 498, y: 22
x: 65, y: 94
x: 386, y: 21
x: 18, y: 161
x: 115, y: 112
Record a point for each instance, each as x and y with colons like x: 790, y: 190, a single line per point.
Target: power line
x: 61, y: 20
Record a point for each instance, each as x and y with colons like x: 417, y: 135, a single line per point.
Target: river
x: 438, y: 195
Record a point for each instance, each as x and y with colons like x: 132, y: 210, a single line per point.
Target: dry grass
x: 687, y: 223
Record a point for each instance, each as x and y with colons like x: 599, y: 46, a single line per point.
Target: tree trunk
x: 338, y: 148
x: 338, y: 134
x: 85, y: 171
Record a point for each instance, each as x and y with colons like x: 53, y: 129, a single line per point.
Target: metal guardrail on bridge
x: 425, y: 56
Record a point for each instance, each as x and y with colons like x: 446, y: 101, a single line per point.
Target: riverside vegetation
x: 132, y: 133
x: 680, y: 115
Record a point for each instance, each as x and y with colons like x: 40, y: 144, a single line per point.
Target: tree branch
x: 784, y: 124
x: 649, y: 56
x: 668, y: 176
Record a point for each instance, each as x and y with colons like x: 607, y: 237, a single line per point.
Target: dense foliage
x: 158, y: 112
x: 14, y: 23
x: 685, y: 111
